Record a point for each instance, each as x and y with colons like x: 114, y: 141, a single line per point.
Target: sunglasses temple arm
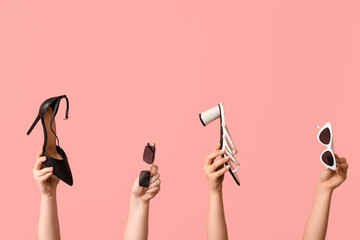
x: 229, y: 139
x: 236, y: 163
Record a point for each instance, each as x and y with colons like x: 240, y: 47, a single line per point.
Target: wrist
x: 322, y: 189
x: 216, y: 191
x: 215, y: 188
x: 138, y: 201
x: 48, y: 195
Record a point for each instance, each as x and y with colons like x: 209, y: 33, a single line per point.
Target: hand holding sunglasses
x: 215, y: 168
x: 147, y: 185
x: 329, y: 180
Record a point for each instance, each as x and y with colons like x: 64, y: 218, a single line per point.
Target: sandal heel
x: 33, y: 125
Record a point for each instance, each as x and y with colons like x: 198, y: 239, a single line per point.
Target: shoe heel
x: 33, y: 125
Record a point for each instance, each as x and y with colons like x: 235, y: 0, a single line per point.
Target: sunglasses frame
x: 142, y: 173
x: 329, y: 146
x: 228, y: 145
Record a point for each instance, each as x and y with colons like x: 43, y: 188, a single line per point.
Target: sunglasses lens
x: 149, y: 153
x: 144, y: 179
x: 325, y: 136
x: 328, y: 158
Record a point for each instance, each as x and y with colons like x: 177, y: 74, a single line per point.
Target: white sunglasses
x: 325, y: 137
x: 226, y: 141
x: 225, y: 138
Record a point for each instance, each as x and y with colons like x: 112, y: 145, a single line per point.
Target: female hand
x: 146, y: 194
x: 44, y: 178
x: 214, y: 168
x: 329, y: 180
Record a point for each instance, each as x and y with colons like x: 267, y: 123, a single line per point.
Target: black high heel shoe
x: 61, y: 166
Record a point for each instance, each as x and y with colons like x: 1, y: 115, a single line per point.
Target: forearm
x: 138, y: 220
x: 216, y: 225
x: 49, y: 223
x: 316, y: 225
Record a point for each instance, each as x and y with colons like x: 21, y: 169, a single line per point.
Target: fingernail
x: 228, y: 166
x: 218, y: 143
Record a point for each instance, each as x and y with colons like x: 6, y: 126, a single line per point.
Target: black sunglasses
x: 148, y: 157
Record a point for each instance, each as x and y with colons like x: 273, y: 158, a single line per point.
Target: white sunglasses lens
x: 325, y: 136
x: 328, y: 158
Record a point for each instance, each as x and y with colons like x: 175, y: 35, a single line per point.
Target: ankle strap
x: 56, y: 107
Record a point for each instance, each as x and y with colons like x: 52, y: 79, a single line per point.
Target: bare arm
x: 49, y: 228
x: 137, y: 226
x: 214, y: 169
x: 48, y: 222
x: 216, y: 224
x: 316, y: 225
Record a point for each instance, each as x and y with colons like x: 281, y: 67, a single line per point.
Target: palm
x: 140, y: 192
x: 221, y: 178
x: 49, y: 186
x: 332, y: 179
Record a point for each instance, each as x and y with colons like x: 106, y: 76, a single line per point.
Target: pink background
x: 139, y: 71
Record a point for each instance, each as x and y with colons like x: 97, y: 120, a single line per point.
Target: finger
x: 223, y: 170
x: 342, y: 170
x: 340, y: 160
x: 154, y: 178
x: 220, y: 162
x: 153, y: 169
x: 155, y: 184
x: 154, y: 190
x: 45, y: 177
x: 210, y: 159
x: 42, y: 172
x: 38, y: 163
x: 39, y: 154
x: 218, y: 146
x: 343, y: 166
